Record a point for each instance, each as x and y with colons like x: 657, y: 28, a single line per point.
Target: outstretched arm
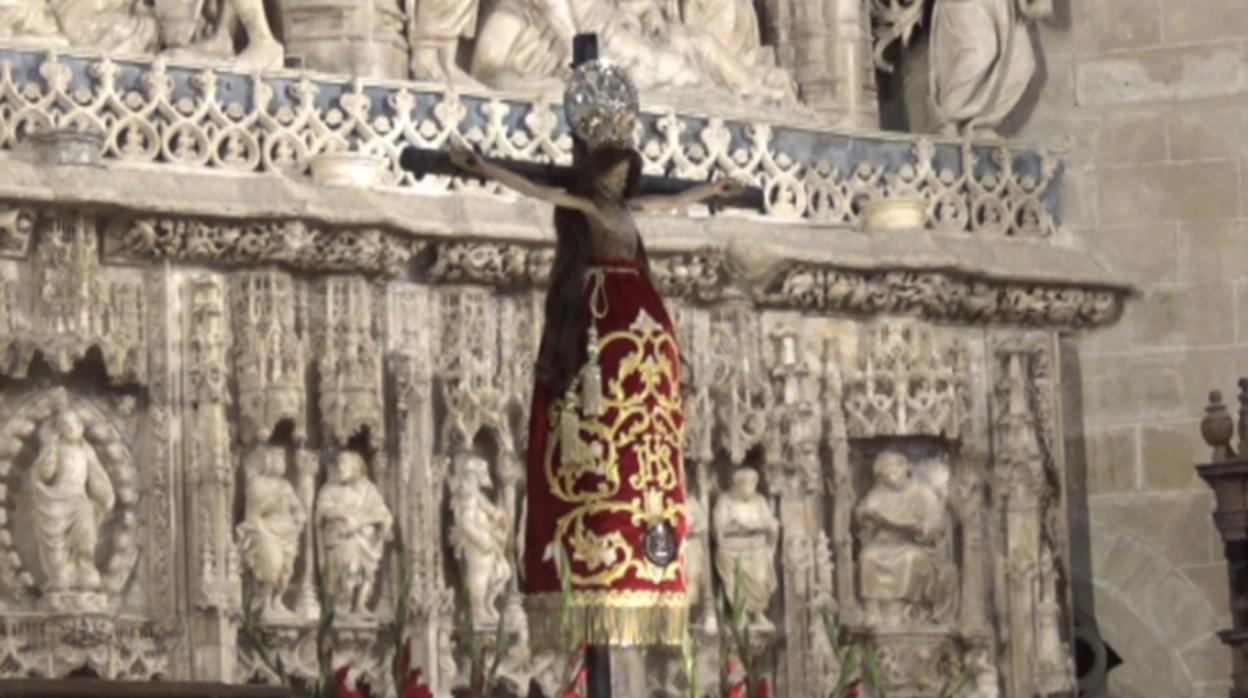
x: 719, y: 189
x: 469, y: 162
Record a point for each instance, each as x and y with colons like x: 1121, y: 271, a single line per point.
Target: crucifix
x: 605, y: 495
x: 422, y: 162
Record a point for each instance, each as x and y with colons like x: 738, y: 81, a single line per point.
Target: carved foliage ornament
x: 289, y: 243
x: 942, y: 296
x: 910, y: 381
x: 349, y: 362
x: 68, y: 309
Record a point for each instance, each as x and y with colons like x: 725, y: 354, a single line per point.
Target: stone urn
x: 347, y: 169
x: 894, y: 213
x: 67, y: 146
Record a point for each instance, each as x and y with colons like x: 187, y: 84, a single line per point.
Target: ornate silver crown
x: 601, y: 105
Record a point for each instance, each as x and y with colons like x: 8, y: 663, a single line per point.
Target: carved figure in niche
x: 354, y: 525
x: 902, y: 523
x: 531, y: 43
x: 115, y: 26
x: 32, y: 20
x: 272, y: 523
x: 746, y: 534
x: 982, y: 60
x: 263, y: 51
x: 439, y: 26
x: 480, y: 539
x: 73, y: 495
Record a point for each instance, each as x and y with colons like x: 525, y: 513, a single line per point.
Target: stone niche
x: 214, y: 368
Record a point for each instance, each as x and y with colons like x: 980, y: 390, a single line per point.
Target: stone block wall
x: 1155, y: 95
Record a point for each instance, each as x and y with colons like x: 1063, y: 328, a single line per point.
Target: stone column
x: 306, y: 465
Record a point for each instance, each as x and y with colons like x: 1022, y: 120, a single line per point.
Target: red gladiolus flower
x: 341, y: 689
x: 413, y: 687
x: 737, y: 691
x: 853, y: 689
x: 761, y: 689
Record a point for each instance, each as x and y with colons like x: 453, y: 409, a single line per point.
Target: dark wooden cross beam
x: 423, y: 162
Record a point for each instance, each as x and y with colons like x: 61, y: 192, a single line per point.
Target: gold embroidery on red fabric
x: 641, y: 415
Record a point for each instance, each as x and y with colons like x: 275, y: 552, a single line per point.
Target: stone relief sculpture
x: 479, y: 537
x: 31, y: 20
x: 656, y: 49
x: 71, y: 496
x: 272, y: 524
x: 903, y: 576
x: 117, y: 26
x: 519, y: 44
x: 263, y: 51
x: 354, y: 525
x: 439, y: 27
x: 746, y: 535
x: 982, y: 60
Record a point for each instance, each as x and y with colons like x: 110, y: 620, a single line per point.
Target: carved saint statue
x: 354, y: 525
x: 272, y: 524
x: 72, y: 496
x: 746, y: 535
x: 263, y: 51
x: 902, y: 524
x: 480, y: 539
x: 982, y: 60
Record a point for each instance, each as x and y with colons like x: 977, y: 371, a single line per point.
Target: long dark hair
x: 563, y: 350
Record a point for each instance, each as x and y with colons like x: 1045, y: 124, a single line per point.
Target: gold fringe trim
x: 618, y: 619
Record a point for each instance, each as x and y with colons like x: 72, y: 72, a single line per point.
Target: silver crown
x: 601, y: 105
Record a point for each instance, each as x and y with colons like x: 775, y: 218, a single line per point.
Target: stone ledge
x: 153, y: 193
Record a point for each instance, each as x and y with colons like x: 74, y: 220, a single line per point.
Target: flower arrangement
x: 858, y: 660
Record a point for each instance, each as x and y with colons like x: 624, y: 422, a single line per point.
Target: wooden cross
x: 423, y: 162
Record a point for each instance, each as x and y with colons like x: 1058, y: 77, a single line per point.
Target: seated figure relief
x: 904, y: 574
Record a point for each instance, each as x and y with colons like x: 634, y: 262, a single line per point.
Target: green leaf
x: 955, y: 686
x: 874, y: 678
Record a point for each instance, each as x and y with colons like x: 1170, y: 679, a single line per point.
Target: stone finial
x: 1217, y: 427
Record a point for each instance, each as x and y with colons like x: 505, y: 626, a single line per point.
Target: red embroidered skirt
x: 627, y: 480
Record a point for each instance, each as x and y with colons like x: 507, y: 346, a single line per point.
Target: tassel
x: 569, y: 432
x: 591, y: 379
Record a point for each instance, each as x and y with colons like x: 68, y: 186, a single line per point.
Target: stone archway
x: 1155, y: 618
